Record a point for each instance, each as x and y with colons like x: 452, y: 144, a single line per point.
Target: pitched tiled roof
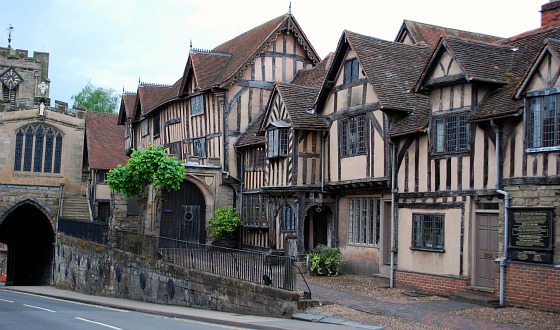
x: 315, y: 76
x: 148, y: 97
x: 298, y: 101
x: 225, y: 63
x: 171, y: 94
x: 105, y: 141
x: 251, y: 135
x: 430, y: 34
x: 501, y: 102
x: 479, y: 61
x: 391, y: 68
x: 413, y: 123
x: 127, y: 107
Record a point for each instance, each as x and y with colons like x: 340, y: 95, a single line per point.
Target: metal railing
x: 91, y: 231
x: 256, y: 267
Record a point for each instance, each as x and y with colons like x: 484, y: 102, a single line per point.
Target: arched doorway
x: 29, y: 235
x: 184, y: 214
x: 317, y: 224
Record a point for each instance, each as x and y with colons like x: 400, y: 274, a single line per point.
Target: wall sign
x: 531, y: 235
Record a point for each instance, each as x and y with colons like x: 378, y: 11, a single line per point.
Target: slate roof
x: 430, y: 34
x: 105, y: 141
x: 479, y: 61
x: 501, y: 103
x: 224, y: 64
x: 391, y: 68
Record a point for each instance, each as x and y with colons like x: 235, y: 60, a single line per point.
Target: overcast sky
x: 113, y: 43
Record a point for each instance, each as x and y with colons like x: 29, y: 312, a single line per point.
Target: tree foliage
x: 224, y: 221
x: 96, y: 99
x: 152, y: 166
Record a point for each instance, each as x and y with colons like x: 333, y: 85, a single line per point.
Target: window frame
x: 352, y: 128
x: 156, y: 125
x: 200, y: 150
x: 144, y: 127
x: 364, y: 221
x: 277, y: 142
x: 255, y: 159
x: 254, y: 210
x: 197, y: 105
x: 287, y: 218
x: 351, y: 71
x: 450, y: 133
x: 38, y: 149
x: 424, y: 240
x: 540, y: 131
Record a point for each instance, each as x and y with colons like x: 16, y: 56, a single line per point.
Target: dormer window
x: 277, y: 142
x: 543, y: 122
x: 197, y: 105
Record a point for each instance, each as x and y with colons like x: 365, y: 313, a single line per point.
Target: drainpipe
x: 393, y: 193
x: 507, y: 198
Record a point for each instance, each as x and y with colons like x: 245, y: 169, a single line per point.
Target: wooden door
x: 184, y: 216
x: 487, y: 238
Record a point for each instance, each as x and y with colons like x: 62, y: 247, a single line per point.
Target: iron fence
x: 256, y: 267
x: 91, y: 231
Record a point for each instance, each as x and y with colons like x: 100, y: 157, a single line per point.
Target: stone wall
x: 96, y: 269
x: 45, y: 198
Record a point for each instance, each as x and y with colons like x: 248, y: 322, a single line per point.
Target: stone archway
x: 29, y: 235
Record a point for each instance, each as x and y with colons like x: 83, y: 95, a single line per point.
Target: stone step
x: 75, y: 207
x: 477, y: 298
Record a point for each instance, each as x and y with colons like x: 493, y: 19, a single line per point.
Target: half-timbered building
x: 201, y: 116
x: 477, y: 172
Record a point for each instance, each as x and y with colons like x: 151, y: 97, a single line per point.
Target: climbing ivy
x: 152, y: 166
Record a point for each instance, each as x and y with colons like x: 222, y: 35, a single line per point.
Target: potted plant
x: 325, y: 260
x: 223, y: 226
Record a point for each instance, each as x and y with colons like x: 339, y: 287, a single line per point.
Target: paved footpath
x: 437, y: 313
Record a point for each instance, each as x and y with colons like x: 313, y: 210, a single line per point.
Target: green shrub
x: 325, y: 258
x: 224, y: 221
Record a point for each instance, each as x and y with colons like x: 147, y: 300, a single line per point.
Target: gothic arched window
x: 287, y: 218
x: 38, y: 149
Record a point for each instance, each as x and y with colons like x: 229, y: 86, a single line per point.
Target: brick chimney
x: 550, y: 13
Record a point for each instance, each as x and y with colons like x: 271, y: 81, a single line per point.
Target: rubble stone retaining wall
x: 98, y: 270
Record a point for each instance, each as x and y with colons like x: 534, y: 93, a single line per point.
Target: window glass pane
x: 18, y: 151
x: 347, y: 72
x: 355, y: 69
x: 197, y: 105
x: 351, y: 221
x: 377, y: 220
x: 38, y: 162
x: 536, y: 122
x: 28, y: 149
x: 49, y: 147
x: 58, y: 154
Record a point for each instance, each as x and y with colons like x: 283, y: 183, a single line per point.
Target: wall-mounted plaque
x: 531, y: 235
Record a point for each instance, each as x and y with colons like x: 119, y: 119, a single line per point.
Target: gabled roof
x: 224, y: 64
x: 148, y: 96
x: 430, y: 34
x: 105, y: 141
x: 127, y: 107
x: 415, y: 122
x: 502, y: 102
x: 551, y: 46
x: 170, y: 95
x: 390, y: 67
x: 478, y: 61
x: 315, y: 76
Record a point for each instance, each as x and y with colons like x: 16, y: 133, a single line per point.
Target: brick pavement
x: 437, y: 313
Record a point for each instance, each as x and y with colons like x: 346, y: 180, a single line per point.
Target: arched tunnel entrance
x: 29, y: 235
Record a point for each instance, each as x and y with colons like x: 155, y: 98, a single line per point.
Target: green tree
x: 152, y: 166
x: 96, y: 99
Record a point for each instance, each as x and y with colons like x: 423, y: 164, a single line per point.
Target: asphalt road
x: 28, y: 311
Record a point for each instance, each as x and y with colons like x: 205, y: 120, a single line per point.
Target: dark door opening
x: 29, y: 236
x: 316, y: 227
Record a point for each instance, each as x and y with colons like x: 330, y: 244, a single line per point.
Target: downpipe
x: 507, y: 198
x: 393, y: 193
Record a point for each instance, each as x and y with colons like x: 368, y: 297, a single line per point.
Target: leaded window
x: 351, y: 71
x: 427, y: 231
x: 38, y: 148
x: 144, y: 126
x: 255, y: 159
x: 364, y: 219
x: 197, y: 105
x: 543, y: 121
x: 287, y: 218
x: 254, y: 209
x: 450, y: 133
x: 277, y: 142
x: 155, y: 123
x: 352, y: 136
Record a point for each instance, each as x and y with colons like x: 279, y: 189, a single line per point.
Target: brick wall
x: 532, y: 286
x: 429, y: 283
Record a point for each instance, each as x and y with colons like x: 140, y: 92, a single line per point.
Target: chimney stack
x: 550, y: 13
